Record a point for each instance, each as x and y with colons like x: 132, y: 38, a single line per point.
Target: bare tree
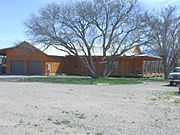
x: 165, y: 29
x: 86, y: 28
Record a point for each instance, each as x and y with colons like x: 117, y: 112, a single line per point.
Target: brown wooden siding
x: 53, y: 65
x: 26, y: 52
x: 127, y: 66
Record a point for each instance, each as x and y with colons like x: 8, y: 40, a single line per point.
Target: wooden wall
x: 56, y: 63
x: 26, y: 52
x: 53, y: 65
x: 126, y: 66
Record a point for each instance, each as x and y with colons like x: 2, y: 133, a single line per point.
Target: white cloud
x: 157, y: 4
x: 50, y: 50
x: 53, y: 51
x: 172, y: 2
x: 153, y: 2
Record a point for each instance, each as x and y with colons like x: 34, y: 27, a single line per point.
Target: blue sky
x: 14, y: 12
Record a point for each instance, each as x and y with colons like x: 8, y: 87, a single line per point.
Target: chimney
x: 137, y: 50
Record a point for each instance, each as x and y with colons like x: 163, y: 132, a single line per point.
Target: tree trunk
x: 94, y: 76
x: 166, y: 72
x: 166, y: 75
x: 179, y: 90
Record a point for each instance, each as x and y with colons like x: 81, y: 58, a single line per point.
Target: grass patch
x: 169, y: 96
x: 80, y: 115
x: 85, y: 80
x: 99, y: 133
x: 66, y: 123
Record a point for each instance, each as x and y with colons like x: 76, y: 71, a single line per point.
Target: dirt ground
x: 28, y: 108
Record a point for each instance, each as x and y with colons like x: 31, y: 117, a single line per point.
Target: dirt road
x: 28, y: 108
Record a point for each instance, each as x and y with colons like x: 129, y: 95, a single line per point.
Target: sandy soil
x: 28, y: 108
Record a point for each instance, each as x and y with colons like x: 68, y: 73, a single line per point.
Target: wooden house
x: 127, y: 66
x: 25, y: 59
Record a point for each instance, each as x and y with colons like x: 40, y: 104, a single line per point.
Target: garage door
x: 33, y: 67
x: 17, y: 67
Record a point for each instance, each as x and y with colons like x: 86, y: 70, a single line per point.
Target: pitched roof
x: 30, y: 47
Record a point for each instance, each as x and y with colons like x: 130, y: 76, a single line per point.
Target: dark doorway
x: 34, y: 67
x: 17, y: 67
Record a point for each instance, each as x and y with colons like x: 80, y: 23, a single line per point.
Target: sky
x: 13, y: 13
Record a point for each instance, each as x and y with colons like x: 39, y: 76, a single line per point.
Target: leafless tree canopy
x: 86, y: 28
x: 165, y: 30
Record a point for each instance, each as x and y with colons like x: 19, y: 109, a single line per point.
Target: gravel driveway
x: 28, y: 108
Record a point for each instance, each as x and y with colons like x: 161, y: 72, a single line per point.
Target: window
x: 49, y: 67
x: 2, y: 59
x: 115, y: 65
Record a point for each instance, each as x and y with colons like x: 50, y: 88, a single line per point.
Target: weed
x: 36, y: 125
x: 99, y: 133
x: 65, y: 112
x: 169, y: 96
x: 21, y: 122
x: 49, y: 119
x: 57, y: 122
x: 65, y: 122
x: 80, y: 115
x: 177, y: 101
